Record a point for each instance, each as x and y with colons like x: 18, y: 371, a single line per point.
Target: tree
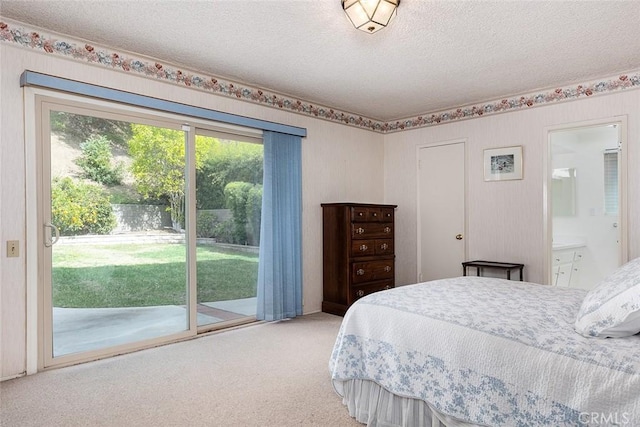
x: 158, y: 166
x: 227, y: 161
x: 96, y: 161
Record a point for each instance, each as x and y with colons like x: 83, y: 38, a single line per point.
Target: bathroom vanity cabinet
x: 566, y: 267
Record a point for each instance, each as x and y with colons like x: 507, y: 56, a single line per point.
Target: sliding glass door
x: 113, y: 233
x: 150, y: 229
x: 228, y: 206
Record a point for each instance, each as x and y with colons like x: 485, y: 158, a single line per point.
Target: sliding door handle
x: 48, y: 241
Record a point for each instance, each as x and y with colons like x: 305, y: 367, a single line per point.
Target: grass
x: 139, y: 275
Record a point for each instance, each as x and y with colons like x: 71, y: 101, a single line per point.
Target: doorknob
x: 458, y: 236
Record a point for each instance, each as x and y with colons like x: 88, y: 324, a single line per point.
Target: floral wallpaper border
x: 83, y: 52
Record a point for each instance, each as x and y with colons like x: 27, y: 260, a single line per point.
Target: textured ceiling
x: 435, y: 54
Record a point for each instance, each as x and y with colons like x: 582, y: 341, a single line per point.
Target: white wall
x: 339, y: 163
x: 505, y: 219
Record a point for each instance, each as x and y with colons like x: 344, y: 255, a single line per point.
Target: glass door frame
x: 237, y: 134
x: 38, y: 102
x: 47, y: 359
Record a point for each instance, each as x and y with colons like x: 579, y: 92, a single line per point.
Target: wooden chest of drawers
x: 358, y: 252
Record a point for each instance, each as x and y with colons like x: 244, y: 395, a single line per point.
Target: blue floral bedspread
x: 491, y: 352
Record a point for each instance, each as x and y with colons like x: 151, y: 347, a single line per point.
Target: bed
x: 489, y: 352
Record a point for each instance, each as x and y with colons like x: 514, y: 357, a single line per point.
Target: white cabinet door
x: 575, y: 269
x: 564, y: 275
x: 554, y: 275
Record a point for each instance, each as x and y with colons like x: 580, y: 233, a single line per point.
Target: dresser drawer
x: 563, y: 257
x: 363, y: 248
x: 384, y: 247
x: 369, y: 271
x: 386, y: 214
x: 371, y: 230
x: 364, y: 214
x: 371, y: 214
x: 371, y: 247
x: 360, y: 291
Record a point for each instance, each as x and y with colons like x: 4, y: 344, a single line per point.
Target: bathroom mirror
x: 563, y: 192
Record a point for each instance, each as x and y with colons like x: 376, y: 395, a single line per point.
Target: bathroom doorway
x: 586, y: 202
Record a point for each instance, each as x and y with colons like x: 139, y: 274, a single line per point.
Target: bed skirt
x: 371, y: 404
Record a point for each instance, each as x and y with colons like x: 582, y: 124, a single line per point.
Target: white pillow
x: 612, y: 309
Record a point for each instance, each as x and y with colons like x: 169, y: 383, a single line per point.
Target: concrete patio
x: 83, y: 329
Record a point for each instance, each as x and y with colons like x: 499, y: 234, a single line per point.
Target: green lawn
x: 138, y: 275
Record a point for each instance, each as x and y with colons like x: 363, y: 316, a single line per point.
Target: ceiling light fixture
x: 370, y: 16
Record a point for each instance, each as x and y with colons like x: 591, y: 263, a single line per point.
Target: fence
x: 152, y: 217
x: 140, y: 218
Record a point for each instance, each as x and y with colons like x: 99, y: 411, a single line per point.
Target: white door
x: 441, y: 215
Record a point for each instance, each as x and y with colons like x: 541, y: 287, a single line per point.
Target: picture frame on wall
x: 502, y: 164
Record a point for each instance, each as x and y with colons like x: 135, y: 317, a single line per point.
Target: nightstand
x: 479, y: 265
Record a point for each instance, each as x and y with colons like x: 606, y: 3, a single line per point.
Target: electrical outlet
x: 13, y: 248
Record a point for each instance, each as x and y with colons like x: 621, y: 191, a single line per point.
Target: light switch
x: 13, y: 248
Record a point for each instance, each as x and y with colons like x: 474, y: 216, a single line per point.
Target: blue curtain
x: 280, y: 265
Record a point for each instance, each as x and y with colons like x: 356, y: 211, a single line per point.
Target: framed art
x: 501, y: 164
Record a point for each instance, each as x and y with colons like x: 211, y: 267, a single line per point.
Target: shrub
x: 80, y: 208
x: 122, y: 195
x: 206, y: 224
x: 235, y: 196
x: 254, y: 214
x: 223, y: 231
x: 227, y: 161
x: 96, y: 161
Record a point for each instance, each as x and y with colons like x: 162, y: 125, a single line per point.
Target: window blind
x: 611, y: 182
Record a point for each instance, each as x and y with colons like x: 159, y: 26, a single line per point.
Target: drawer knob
x: 387, y: 268
x: 388, y: 287
x: 359, y: 230
x: 364, y: 247
x: 387, y: 229
x: 360, y: 272
x: 384, y: 246
x: 360, y: 214
x: 374, y: 214
x: 360, y: 293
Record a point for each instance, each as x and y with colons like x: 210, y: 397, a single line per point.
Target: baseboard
x: 13, y: 377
